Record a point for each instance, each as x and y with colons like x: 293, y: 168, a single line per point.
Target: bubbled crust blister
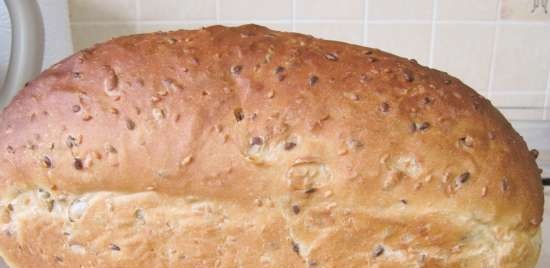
x: 246, y: 147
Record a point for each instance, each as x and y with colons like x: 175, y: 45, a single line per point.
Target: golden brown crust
x: 246, y: 147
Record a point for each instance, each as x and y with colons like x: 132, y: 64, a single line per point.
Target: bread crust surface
x: 247, y: 147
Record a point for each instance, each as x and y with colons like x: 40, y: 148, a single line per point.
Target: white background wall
x: 5, y: 40
x: 57, y: 33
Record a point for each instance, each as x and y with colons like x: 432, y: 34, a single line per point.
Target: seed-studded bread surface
x: 246, y: 147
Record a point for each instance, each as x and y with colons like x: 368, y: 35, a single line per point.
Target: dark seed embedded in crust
x: 131, y: 125
x: 10, y: 149
x: 279, y: 69
x: 139, y: 214
x: 296, y: 209
x: 403, y: 201
x: 423, y: 126
x: 462, y: 178
x: 331, y: 56
x: 295, y: 247
x: 236, y: 69
x: 114, y: 247
x: 426, y: 100
x: 87, y: 117
x: 239, y: 115
x: 311, y: 190
x: 43, y: 193
x: 256, y: 141
x: 77, y: 75
x: 313, y: 80
x: 378, y: 250
x: 46, y: 162
x: 110, y: 148
x: 408, y: 75
x: 71, y: 141
x: 195, y: 60
x: 289, y: 145
x: 535, y: 153
x: 50, y: 204
x: 78, y: 164
x: 384, y: 107
x: 419, y: 126
x: 76, y: 108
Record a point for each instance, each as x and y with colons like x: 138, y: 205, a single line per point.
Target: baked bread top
x: 247, y: 147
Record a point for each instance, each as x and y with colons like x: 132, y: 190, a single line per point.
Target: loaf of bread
x: 247, y: 147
